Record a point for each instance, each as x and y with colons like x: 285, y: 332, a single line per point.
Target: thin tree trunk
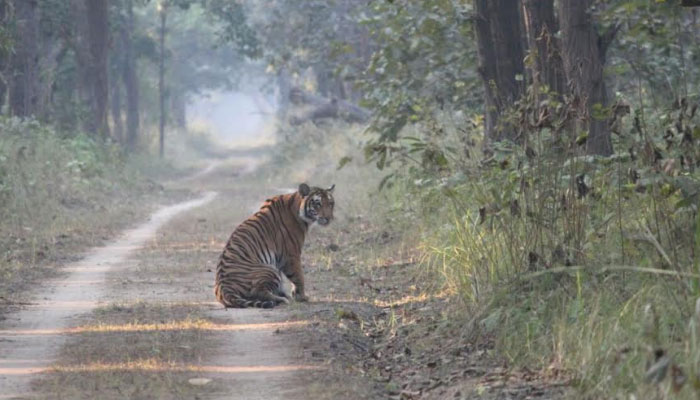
x: 541, y: 26
x: 161, y: 82
x: 98, y: 39
x: 178, y: 107
x: 3, y: 84
x: 115, y: 86
x: 52, y: 51
x: 130, y: 80
x: 81, y: 51
x: 583, y: 52
x: 25, y: 61
x: 4, y: 53
x: 487, y: 66
x: 500, y: 63
x: 116, y: 108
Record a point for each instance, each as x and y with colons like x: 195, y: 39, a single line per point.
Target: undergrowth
x: 568, y: 262
x: 582, y: 267
x: 61, y: 192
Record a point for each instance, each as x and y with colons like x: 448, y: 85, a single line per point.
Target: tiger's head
x: 316, y: 204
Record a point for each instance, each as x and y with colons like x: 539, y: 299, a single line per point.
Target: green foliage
x: 39, y: 167
x: 320, y: 37
x: 656, y: 44
x: 559, y: 253
x: 233, y: 18
x: 425, y: 62
x: 193, y: 44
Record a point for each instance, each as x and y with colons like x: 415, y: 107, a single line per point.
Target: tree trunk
x: 501, y: 66
x: 130, y: 80
x: 25, y: 60
x: 81, y: 51
x: 4, y: 55
x: 116, y: 106
x: 584, y: 58
x: 98, y: 40
x: 52, y: 51
x: 541, y: 26
x: 161, y: 83
x: 178, y: 109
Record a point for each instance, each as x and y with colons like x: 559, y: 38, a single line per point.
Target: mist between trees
x: 548, y: 149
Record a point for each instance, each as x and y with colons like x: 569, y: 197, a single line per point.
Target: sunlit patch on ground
x: 127, y: 346
x: 154, y: 365
x: 184, y: 325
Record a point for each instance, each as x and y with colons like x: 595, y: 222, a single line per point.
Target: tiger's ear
x: 304, y: 190
x: 330, y: 189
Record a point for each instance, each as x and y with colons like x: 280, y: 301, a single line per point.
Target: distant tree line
x: 58, y: 63
x: 88, y: 64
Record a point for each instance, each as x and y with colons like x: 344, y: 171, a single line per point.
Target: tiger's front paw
x: 302, y: 298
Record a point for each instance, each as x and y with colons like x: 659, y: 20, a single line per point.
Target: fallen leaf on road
x: 199, y: 381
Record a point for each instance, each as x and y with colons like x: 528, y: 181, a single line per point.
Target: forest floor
x: 137, y: 319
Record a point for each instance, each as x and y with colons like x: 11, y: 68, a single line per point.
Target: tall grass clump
x: 580, y: 264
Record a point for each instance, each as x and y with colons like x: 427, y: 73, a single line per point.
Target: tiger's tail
x: 234, y: 300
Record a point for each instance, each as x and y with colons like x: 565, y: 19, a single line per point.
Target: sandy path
x: 258, y: 360
x: 31, y: 338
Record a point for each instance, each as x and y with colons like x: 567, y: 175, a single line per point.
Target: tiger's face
x: 317, y: 204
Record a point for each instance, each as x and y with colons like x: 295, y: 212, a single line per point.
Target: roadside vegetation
x: 558, y: 274
x: 61, y: 193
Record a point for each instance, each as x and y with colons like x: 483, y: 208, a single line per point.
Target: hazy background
x: 233, y: 118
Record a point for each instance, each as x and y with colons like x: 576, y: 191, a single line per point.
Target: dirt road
x: 30, y: 338
x: 136, y: 318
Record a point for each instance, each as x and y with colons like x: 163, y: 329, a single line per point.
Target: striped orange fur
x: 267, y: 245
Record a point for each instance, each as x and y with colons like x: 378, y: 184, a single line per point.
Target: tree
x: 5, y: 48
x: 24, y: 63
x: 500, y: 63
x: 541, y: 26
x: 116, y: 94
x: 97, y: 68
x: 163, y: 11
x: 130, y: 78
x: 422, y: 66
x: 321, y: 40
x: 583, y: 52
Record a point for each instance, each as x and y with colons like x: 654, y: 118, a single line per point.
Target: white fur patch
x: 287, y: 286
x: 302, y: 215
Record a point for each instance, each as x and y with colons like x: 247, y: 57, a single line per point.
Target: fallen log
x: 324, y: 108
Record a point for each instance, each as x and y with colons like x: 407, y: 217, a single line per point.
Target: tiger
x: 267, y: 246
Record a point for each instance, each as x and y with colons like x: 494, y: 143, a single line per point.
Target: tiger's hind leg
x: 267, y: 288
